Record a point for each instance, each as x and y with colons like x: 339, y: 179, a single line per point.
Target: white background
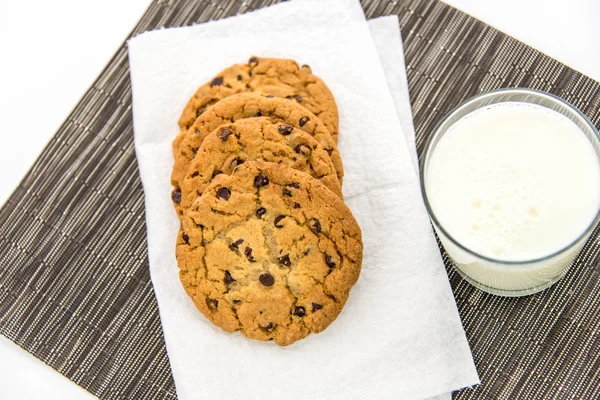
x: 53, y: 50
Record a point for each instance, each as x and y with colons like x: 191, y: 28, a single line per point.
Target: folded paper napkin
x: 399, y: 335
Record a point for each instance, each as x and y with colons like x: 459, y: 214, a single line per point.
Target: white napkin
x: 399, y: 335
x: 386, y: 36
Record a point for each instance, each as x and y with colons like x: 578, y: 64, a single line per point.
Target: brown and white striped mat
x: 74, y: 284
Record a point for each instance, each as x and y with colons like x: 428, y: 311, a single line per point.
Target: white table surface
x: 42, y: 77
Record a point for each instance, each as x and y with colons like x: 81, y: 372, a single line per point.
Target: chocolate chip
x: 258, y: 114
x: 224, y: 134
x: 235, y: 162
x: 197, y: 131
x: 285, y: 260
x: 296, y: 205
x: 287, y: 191
x: 285, y: 129
x: 212, y: 304
x: 267, y: 327
x: 329, y: 261
x: 260, y: 212
x: 253, y: 60
x: 302, y: 149
x: 266, y: 279
x: 218, y: 81
x: 196, y: 173
x: 269, y: 96
x: 278, y: 220
x: 248, y: 253
x: 316, y: 306
x: 298, y: 99
x: 228, y: 278
x: 223, y: 193
x: 216, y: 172
x: 176, y: 196
x: 299, y: 311
x: 185, y: 238
x: 303, y: 121
x: 261, y: 180
x: 239, y: 77
x: 315, y: 226
x: 305, y: 66
x: 199, y: 112
x: 237, y: 243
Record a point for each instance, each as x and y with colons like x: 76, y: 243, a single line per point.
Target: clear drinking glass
x: 508, y: 278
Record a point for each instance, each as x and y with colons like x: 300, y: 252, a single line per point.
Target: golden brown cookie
x: 249, y: 105
x: 253, y: 139
x: 270, y: 76
x: 269, y: 251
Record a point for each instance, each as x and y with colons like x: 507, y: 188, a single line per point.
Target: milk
x: 513, y: 182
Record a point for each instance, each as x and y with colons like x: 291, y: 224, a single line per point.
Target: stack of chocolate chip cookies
x: 267, y: 246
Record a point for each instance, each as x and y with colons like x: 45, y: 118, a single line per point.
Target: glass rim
x: 437, y: 132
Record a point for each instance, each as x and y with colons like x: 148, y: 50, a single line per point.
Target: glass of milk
x: 511, y: 181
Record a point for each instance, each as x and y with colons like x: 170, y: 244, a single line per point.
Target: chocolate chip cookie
x: 249, y: 105
x: 269, y: 251
x: 253, y: 139
x: 270, y: 76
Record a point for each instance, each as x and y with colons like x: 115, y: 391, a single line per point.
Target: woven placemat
x: 74, y: 284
